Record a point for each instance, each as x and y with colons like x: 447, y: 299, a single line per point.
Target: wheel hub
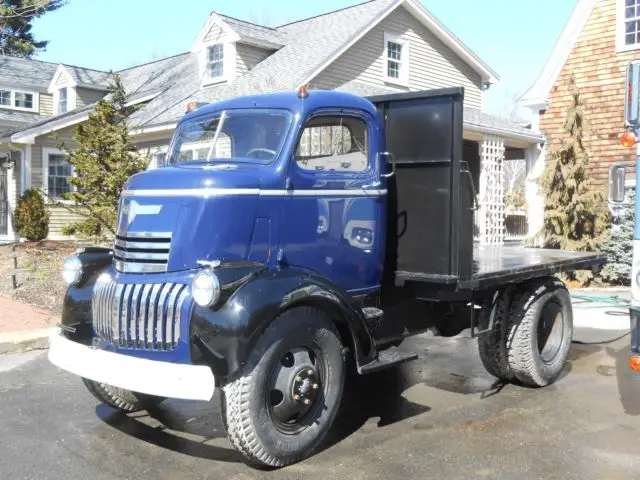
x: 294, y: 389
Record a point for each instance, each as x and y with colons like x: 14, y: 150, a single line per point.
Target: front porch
x: 504, y: 160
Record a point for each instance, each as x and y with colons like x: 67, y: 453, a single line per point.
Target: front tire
x: 284, y: 403
x: 540, y: 336
x: 119, y: 398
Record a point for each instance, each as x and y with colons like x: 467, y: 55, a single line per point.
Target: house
x: 598, y: 42
x: 377, y: 47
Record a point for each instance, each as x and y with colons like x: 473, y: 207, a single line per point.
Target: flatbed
x: 500, y: 265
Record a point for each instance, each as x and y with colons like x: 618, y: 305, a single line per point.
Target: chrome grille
x: 142, y: 252
x: 138, y: 316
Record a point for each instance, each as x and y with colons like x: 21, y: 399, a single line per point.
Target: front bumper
x: 190, y: 382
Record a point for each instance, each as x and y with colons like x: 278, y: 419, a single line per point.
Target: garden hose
x: 589, y: 301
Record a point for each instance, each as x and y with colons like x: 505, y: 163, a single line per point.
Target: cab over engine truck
x: 294, y: 235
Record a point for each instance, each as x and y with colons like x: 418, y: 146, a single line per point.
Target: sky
x: 514, y: 37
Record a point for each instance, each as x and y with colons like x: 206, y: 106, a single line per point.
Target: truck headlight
x: 205, y: 288
x: 72, y: 270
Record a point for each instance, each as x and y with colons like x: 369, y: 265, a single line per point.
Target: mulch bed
x: 39, y: 272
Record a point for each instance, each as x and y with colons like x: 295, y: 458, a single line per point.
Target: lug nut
x: 296, y: 397
x: 298, y: 378
x: 307, y: 401
x: 314, y: 386
x: 310, y: 372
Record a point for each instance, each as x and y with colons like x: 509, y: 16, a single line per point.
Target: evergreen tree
x: 103, y: 161
x: 16, y: 16
x: 618, y: 244
x: 574, y: 217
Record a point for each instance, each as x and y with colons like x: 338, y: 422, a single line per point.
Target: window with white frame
x: 58, y: 173
x: 215, y: 61
x: 63, y: 98
x: 18, y: 100
x: 628, y: 25
x: 396, y: 60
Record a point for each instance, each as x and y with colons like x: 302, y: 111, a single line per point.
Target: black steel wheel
x: 541, y: 331
x: 282, y: 406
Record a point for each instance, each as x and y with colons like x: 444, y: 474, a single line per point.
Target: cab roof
x: 289, y: 101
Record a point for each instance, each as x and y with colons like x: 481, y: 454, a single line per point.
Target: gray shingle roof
x: 30, y: 73
x: 86, y: 76
x: 249, y: 31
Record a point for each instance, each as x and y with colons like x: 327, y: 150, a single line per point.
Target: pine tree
x: 618, y: 244
x: 103, y: 161
x: 16, y: 16
x: 574, y: 217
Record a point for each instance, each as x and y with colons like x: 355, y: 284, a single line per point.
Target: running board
x: 386, y: 359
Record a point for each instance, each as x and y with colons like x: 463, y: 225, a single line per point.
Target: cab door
x: 334, y: 215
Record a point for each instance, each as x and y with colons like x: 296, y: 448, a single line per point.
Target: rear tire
x: 492, y: 346
x: 119, y: 398
x: 541, y: 333
x: 299, y: 355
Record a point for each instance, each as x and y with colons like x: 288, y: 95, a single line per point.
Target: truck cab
x: 291, y: 236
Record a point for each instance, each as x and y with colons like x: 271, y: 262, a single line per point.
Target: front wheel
x: 124, y: 400
x: 283, y: 404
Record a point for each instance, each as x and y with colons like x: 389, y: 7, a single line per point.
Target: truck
x: 292, y: 240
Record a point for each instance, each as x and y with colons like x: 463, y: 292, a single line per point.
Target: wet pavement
x: 441, y: 416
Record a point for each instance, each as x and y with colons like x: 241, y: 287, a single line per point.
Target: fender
x: 226, y: 336
x: 76, y: 311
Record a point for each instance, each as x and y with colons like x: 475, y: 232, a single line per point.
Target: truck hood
x: 207, y: 210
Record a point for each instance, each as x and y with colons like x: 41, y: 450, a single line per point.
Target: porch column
x: 536, y: 158
x: 491, y: 212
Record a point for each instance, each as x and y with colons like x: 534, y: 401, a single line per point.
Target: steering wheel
x: 261, y: 150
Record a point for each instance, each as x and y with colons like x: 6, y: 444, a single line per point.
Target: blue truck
x: 294, y: 237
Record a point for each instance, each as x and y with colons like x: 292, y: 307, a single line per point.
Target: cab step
x: 387, y: 359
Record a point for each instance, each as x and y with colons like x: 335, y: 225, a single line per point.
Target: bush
x: 618, y: 244
x: 31, y: 219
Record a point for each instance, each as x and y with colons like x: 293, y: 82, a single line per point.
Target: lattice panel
x: 491, y: 214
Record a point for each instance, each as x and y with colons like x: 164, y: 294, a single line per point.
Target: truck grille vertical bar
x: 137, y: 316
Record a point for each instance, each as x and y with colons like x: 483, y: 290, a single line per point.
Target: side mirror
x: 617, y: 177
x: 391, y: 160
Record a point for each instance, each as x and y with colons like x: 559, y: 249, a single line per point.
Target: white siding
x: 248, y: 56
x: 63, y: 80
x: 431, y: 63
x: 215, y: 35
x: 46, y: 104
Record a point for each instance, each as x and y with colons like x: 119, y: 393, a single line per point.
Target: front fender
x: 227, y: 335
x: 76, y: 310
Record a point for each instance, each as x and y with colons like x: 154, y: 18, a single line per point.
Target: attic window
x: 62, y: 101
x: 396, y: 60
x: 628, y: 25
x: 215, y: 60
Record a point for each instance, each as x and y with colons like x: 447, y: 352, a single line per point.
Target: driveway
x: 441, y: 416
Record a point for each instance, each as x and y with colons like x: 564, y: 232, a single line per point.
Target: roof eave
x: 532, y: 137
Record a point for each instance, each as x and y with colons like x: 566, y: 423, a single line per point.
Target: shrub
x: 31, y: 219
x: 618, y: 244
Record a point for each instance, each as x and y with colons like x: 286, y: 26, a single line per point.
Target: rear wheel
x: 119, y: 398
x: 540, y: 336
x: 492, y: 345
x: 282, y: 406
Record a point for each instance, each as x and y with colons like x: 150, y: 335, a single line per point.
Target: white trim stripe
x: 218, y: 192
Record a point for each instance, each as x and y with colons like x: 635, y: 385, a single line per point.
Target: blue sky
x: 514, y: 37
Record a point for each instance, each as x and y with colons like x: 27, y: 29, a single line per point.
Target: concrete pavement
x: 441, y: 416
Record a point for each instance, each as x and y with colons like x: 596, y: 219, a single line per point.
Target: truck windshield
x: 254, y: 136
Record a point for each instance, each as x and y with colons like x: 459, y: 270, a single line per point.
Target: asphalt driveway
x: 441, y: 416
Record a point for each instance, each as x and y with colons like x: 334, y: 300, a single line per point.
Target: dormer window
x: 63, y: 100
x: 17, y: 100
x: 215, y: 60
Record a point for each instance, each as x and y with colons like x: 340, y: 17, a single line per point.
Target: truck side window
x: 334, y: 143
